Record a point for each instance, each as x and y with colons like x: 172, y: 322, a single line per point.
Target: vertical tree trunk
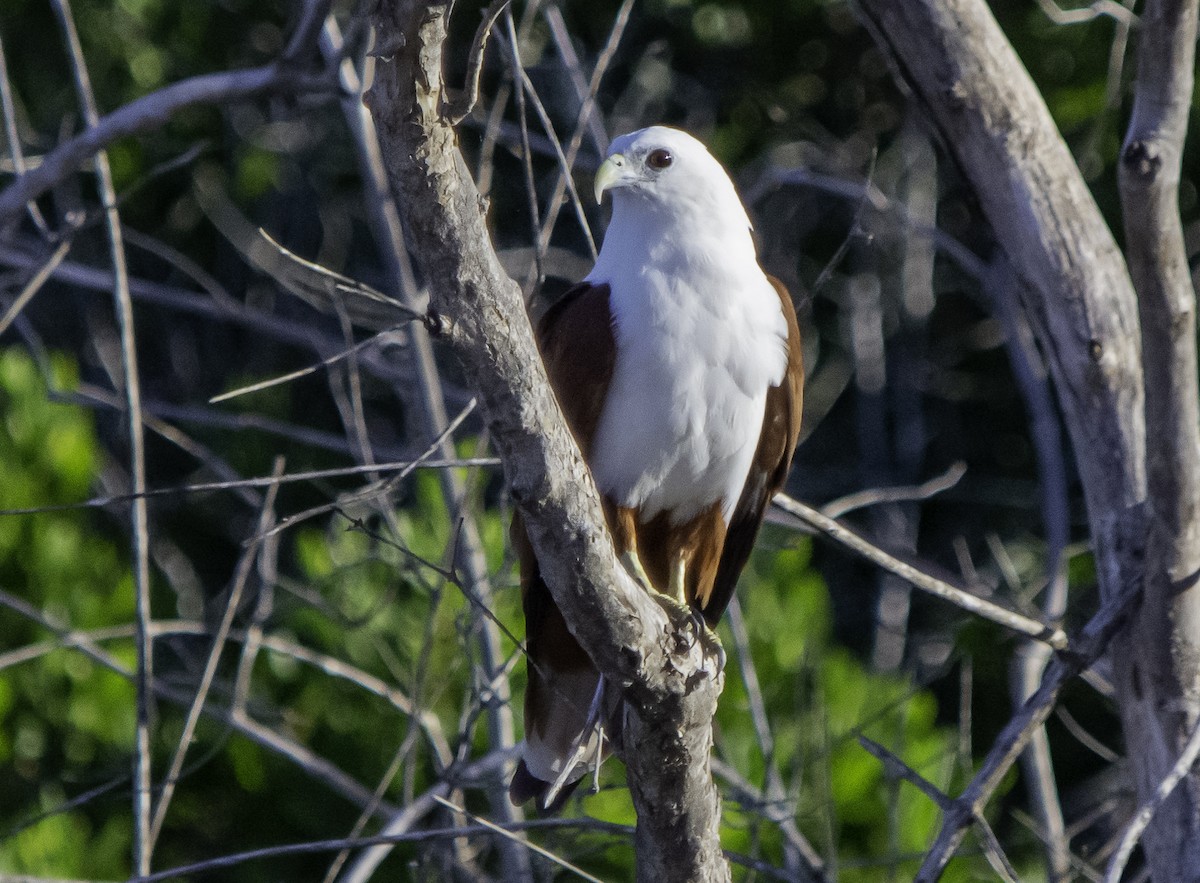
x: 1162, y: 684
x: 1080, y: 299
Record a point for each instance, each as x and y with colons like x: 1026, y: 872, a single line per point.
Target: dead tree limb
x: 670, y: 681
x: 1163, y: 684
x: 1079, y: 296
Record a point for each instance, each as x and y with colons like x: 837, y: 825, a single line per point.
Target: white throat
x: 700, y: 336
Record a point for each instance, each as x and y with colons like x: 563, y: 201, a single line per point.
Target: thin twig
x: 1084, y: 738
x: 379, y: 488
x: 336, y: 358
x: 1092, y: 11
x: 304, y: 758
x: 514, y: 50
x: 145, y: 114
x: 143, y: 843
x: 857, y: 230
x: 403, y: 466
x: 458, y: 109
x: 35, y: 284
x: 332, y: 845
x: 533, y: 847
x: 1010, y: 619
x: 282, y: 646
x: 797, y: 849
x: 588, y: 118
x: 896, y: 768
x: 214, y: 657
x: 1086, y: 649
x: 1145, y: 813
x: 876, y: 496
x: 9, y: 112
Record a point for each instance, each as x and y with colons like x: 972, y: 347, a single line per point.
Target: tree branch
x: 1076, y: 291
x: 1159, y: 694
x: 968, y: 806
x: 644, y: 646
x: 143, y: 115
x: 1051, y: 635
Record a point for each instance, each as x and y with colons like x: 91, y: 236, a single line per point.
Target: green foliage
x: 65, y: 723
x: 819, y: 699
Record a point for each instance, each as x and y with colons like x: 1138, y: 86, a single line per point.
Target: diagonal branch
x: 1051, y: 635
x: 669, y: 682
x: 143, y: 115
x: 1091, y: 643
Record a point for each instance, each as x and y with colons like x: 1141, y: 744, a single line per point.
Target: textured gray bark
x: 650, y: 650
x: 1079, y: 296
x: 1163, y: 684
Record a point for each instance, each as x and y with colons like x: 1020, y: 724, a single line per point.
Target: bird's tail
x: 569, y: 730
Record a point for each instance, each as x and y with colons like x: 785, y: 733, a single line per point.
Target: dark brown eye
x: 659, y: 159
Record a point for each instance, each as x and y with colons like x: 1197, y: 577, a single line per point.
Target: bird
x: 677, y: 365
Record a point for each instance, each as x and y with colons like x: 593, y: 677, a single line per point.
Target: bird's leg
x: 678, y: 577
x: 633, y: 564
x: 623, y: 522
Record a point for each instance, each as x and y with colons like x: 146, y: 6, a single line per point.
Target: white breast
x: 699, y: 340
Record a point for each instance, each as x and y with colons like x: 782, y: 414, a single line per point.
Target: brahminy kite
x: 677, y: 366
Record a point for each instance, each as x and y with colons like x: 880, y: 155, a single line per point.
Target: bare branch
x: 1092, y: 11
x: 214, y: 657
x: 876, y: 496
x: 968, y: 806
x: 798, y: 852
x: 34, y: 285
x: 304, y: 758
x: 143, y: 115
x: 143, y: 840
x: 1146, y: 811
x: 588, y: 118
x: 669, y: 684
x: 458, y: 109
x: 562, y: 863
x: 1053, y: 636
x: 1159, y: 703
x: 8, y: 110
x: 404, y: 466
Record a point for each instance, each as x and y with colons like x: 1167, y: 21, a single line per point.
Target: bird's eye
x: 659, y: 159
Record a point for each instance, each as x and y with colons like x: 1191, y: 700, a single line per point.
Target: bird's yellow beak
x: 610, y: 173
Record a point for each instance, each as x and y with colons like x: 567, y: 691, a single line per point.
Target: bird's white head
x: 667, y: 170
x: 673, y: 205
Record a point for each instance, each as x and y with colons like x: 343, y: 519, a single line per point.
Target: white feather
x: 699, y: 331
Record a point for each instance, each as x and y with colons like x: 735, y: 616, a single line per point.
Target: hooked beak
x: 612, y: 173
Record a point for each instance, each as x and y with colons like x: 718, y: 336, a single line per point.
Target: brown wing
x: 576, y: 340
x: 768, y: 472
